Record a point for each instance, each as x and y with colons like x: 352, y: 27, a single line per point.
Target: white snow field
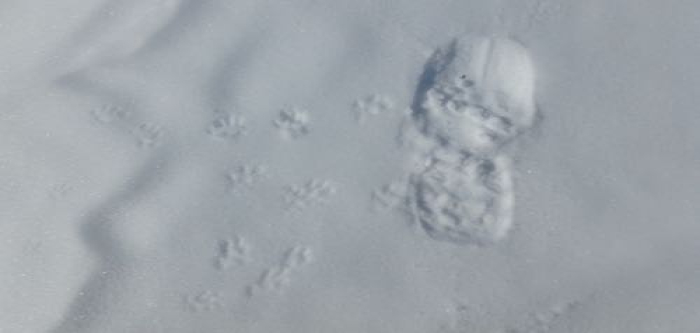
x: 412, y: 166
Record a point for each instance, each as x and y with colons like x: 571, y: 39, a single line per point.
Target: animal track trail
x: 475, y: 96
x: 278, y: 277
x: 146, y: 134
x: 292, y: 123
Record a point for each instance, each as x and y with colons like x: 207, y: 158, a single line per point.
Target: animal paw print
x: 391, y: 196
x: 230, y: 126
x: 246, y: 176
x: 542, y: 11
x: 232, y: 251
x: 204, y: 301
x: 461, y: 319
x: 276, y: 278
x: 107, y: 114
x: 313, y: 192
x: 271, y: 279
x: 292, y: 122
x: 148, y: 135
x: 543, y: 321
x: 372, y: 105
x: 60, y: 191
x: 297, y: 256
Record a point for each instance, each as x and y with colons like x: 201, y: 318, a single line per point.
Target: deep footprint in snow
x: 475, y: 96
x: 464, y: 201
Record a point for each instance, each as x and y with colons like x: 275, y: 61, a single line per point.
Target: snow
x: 349, y: 166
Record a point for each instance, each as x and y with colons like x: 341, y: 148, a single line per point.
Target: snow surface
x: 349, y: 166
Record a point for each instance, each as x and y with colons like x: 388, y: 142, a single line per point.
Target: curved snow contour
x: 476, y: 94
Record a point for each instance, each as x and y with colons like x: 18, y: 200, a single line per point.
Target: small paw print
x: 390, y: 196
x: 292, y: 122
x: 313, y: 192
x: 277, y: 277
x: 60, y: 191
x: 372, y: 105
x: 148, y: 134
x: 230, y: 126
x: 231, y: 251
x: 297, y: 256
x: 204, y: 301
x: 246, y: 176
x: 107, y: 114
